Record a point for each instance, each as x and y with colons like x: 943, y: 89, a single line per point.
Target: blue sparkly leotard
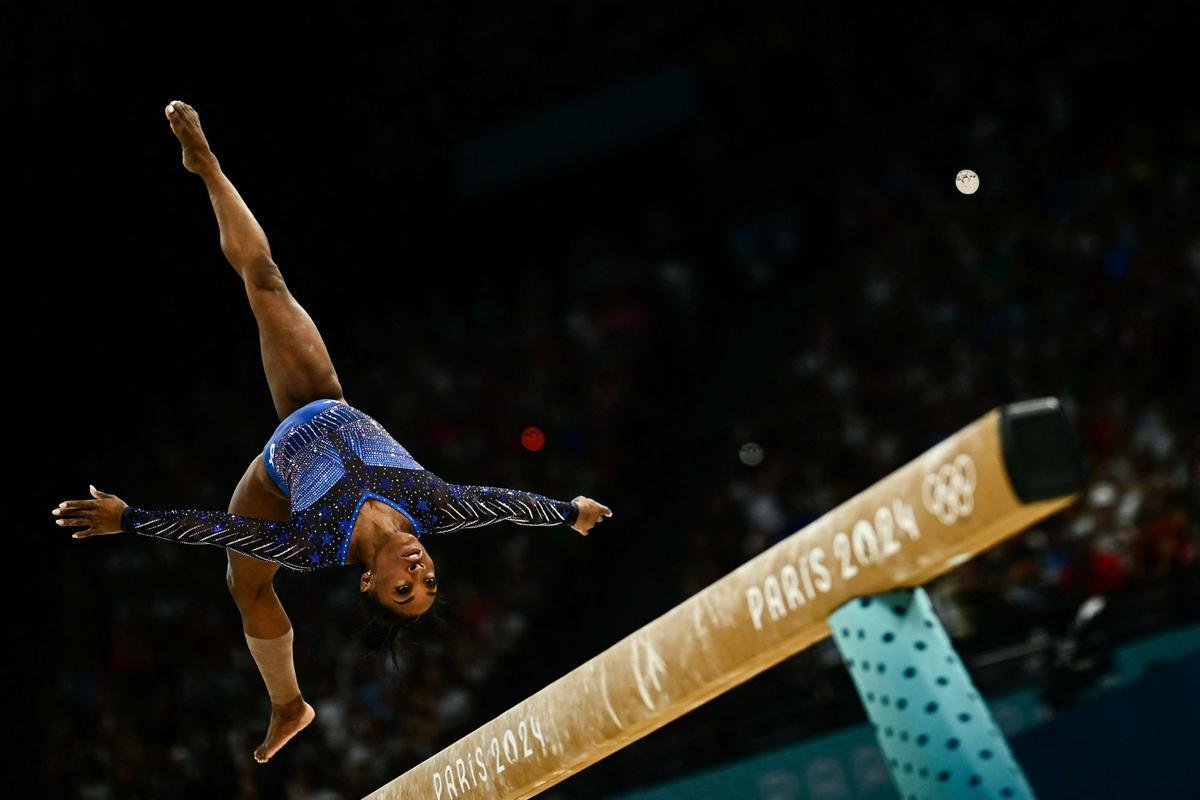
x: 329, y: 458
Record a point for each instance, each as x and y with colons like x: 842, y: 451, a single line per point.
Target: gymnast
x: 331, y: 486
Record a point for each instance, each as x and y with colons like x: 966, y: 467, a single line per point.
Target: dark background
x: 657, y: 231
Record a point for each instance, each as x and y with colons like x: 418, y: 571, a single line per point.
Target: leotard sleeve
x: 269, y: 540
x: 442, y: 507
x: 475, y: 506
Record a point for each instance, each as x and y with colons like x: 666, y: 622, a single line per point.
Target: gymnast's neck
x: 377, y: 526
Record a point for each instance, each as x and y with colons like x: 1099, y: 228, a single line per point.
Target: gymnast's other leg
x: 266, y: 625
x: 294, y: 356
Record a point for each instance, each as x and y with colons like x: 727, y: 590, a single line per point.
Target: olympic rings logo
x: 949, y: 493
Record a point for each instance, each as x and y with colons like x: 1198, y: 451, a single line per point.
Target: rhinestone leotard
x: 332, y: 464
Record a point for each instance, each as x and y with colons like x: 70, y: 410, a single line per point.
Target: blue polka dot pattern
x: 938, y: 727
x: 333, y: 458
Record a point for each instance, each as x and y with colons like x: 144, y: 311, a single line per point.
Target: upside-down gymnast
x: 331, y: 486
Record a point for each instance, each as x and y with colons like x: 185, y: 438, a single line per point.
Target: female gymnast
x: 331, y: 486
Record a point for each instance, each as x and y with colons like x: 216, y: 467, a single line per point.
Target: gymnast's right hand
x: 97, y: 517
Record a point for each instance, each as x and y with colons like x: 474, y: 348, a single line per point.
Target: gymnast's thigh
x: 256, y: 495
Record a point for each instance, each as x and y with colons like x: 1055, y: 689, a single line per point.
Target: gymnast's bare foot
x: 185, y: 124
x: 286, y: 721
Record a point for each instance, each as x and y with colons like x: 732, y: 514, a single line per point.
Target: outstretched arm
x: 266, y: 539
x: 475, y: 506
x: 465, y: 506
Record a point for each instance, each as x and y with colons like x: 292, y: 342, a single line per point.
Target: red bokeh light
x: 533, y: 438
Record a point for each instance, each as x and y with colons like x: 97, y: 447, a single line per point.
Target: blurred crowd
x: 931, y: 309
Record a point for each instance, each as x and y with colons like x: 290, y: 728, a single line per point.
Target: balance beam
x: 1007, y: 470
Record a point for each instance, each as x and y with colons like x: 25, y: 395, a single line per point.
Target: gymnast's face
x: 403, y: 579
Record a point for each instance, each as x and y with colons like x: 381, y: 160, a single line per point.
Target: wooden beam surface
x: 932, y: 514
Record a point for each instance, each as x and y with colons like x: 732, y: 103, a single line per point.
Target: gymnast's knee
x: 262, y: 274
x: 246, y: 593
x: 231, y: 582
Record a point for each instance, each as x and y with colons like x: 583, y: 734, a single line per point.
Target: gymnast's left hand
x: 98, y: 517
x: 590, y: 513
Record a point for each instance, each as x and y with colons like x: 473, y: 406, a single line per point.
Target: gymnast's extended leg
x: 295, y: 359
x: 298, y: 370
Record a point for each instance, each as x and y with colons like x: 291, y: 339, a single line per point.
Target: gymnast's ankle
x: 290, y: 709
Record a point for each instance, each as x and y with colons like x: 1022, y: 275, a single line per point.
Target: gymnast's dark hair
x: 381, y: 631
